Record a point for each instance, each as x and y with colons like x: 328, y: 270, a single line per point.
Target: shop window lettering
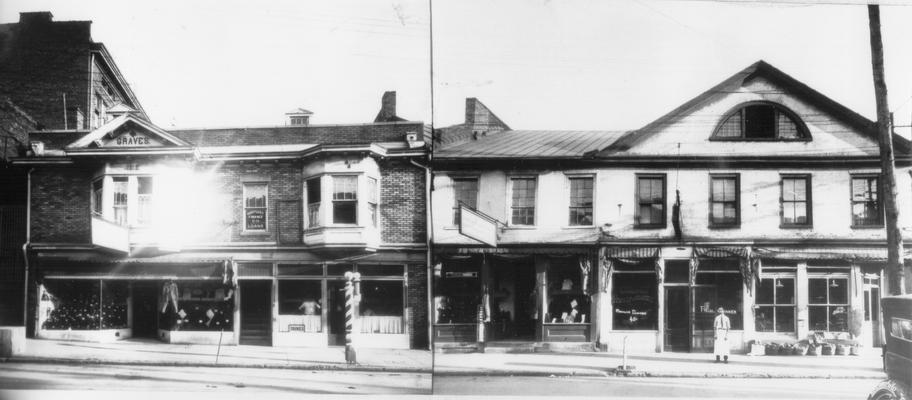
x: 634, y: 300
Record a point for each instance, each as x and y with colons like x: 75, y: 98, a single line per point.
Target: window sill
x: 867, y: 227
x: 255, y: 233
x: 521, y: 227
x: 646, y: 227
x: 781, y: 226
x: 578, y: 227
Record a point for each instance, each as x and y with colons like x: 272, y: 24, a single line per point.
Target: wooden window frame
x: 804, y: 135
x: 882, y: 220
x: 637, y: 202
x: 737, y: 222
x: 808, y: 201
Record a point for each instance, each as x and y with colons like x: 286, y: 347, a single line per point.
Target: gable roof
x: 112, y: 126
x: 738, y: 80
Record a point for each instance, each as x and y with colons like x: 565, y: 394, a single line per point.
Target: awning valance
x: 517, y: 250
x: 858, y: 254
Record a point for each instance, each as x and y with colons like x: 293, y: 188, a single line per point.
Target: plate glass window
x: 523, y: 201
x: 345, y: 199
x: 465, y: 190
x: 581, y: 201
x: 650, y: 201
x: 828, y: 304
x: 255, y: 206
x: 796, y: 205
x: 724, y: 201
x: 866, y: 208
x: 775, y: 305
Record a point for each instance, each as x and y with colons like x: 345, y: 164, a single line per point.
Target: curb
x: 612, y: 372
x: 303, y: 367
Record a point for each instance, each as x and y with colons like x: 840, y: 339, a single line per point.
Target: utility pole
x: 894, y: 267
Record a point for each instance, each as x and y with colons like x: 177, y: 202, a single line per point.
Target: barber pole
x: 352, y: 297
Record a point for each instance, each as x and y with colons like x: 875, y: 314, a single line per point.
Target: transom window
x: 761, y: 121
x: 581, y: 201
x: 523, y: 201
x: 866, y: 207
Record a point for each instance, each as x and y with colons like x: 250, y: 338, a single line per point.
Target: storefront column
x: 237, y: 314
x: 541, y: 276
x: 801, y: 299
x: 130, y: 308
x: 485, y: 293
x: 660, y: 317
x: 856, y: 303
x: 747, y: 310
x: 606, y: 320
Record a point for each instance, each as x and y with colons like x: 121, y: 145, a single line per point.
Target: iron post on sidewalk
x: 352, y: 297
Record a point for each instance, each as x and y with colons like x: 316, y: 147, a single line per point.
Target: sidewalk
x: 690, y: 365
x: 151, y: 352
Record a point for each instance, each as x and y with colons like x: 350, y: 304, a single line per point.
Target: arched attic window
x: 761, y: 121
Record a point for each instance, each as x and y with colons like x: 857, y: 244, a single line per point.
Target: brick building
x: 760, y: 195
x: 236, y: 235
x: 55, y: 77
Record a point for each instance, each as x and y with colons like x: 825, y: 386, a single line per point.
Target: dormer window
x: 761, y: 121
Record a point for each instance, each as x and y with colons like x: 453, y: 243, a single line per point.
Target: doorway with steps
x: 256, y: 312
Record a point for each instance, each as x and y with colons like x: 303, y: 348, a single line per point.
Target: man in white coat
x: 721, y: 326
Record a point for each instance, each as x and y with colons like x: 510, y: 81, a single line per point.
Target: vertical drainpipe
x: 25, y: 246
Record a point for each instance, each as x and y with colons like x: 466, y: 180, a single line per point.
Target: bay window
x: 372, y: 196
x: 124, y: 200
x: 120, y: 199
x: 144, y: 200
x: 313, y: 202
x: 345, y: 199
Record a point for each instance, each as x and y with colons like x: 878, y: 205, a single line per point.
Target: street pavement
x: 18, y: 377
x: 641, y: 388
x: 692, y: 365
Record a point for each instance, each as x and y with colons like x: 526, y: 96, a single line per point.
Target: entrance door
x: 513, y: 301
x: 872, y: 324
x: 256, y: 312
x: 677, y: 319
x: 336, y: 312
x: 145, y: 301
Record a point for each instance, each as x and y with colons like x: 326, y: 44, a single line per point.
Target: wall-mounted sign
x: 477, y: 225
x: 461, y: 274
x: 256, y: 220
x: 131, y: 138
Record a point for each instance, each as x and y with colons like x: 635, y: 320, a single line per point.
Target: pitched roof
x: 285, y: 135
x: 531, y: 144
x: 758, y: 69
x: 113, y: 125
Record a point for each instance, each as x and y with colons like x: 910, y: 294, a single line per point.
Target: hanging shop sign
x: 477, y: 225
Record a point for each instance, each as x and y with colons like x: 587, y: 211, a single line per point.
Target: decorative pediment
x: 127, y: 131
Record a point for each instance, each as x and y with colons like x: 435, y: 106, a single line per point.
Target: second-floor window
x: 796, y: 200
x: 121, y: 197
x: 581, y: 201
x: 345, y: 199
x: 313, y: 202
x: 144, y: 199
x: 724, y: 201
x: 465, y: 190
x: 650, y: 211
x: 372, y: 196
x: 97, y: 196
x: 255, y: 200
x: 866, y: 208
x: 522, y: 207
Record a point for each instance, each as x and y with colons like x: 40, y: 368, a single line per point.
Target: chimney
x: 36, y: 17
x: 387, y: 108
x: 480, y: 119
x: 298, y: 117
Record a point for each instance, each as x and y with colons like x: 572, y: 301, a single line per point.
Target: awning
x: 516, y: 250
x: 630, y: 252
x: 862, y: 254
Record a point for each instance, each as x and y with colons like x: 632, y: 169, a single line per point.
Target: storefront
x: 227, y: 301
x: 489, y: 296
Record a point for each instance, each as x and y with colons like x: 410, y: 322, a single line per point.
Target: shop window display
x: 828, y: 303
x: 300, y: 306
x: 457, y: 290
x: 634, y: 298
x: 719, y: 289
x: 195, y: 306
x: 775, y: 309
x: 83, y: 304
x: 381, y: 307
x: 568, y: 301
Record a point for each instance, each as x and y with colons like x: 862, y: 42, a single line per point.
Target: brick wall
x: 326, y: 134
x: 418, y: 306
x: 60, y: 205
x: 15, y: 124
x: 41, y: 60
x: 402, y: 203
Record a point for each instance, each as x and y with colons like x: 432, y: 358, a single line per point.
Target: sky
x: 538, y: 64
